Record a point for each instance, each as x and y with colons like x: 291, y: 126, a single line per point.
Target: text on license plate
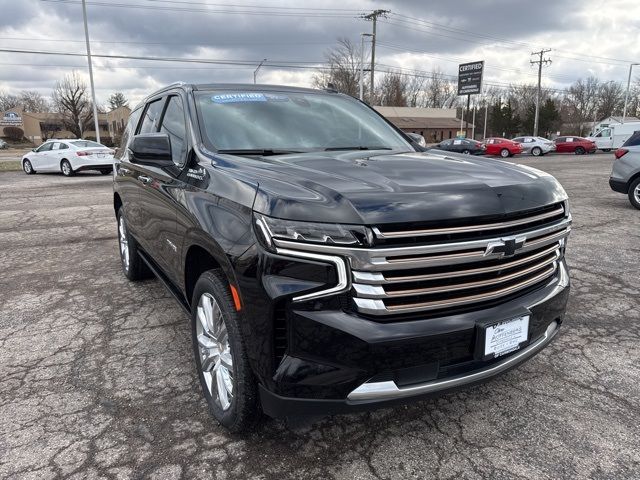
x: 505, y: 337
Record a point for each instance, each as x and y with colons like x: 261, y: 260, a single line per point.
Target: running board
x: 175, y: 293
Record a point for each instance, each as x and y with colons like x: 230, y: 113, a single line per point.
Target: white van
x: 613, y: 136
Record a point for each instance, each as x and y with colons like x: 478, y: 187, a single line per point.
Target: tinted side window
x: 633, y: 140
x: 132, y: 123
x: 151, y: 120
x: 173, y: 124
x: 45, y: 147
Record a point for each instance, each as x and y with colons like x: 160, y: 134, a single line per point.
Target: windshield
x: 291, y: 122
x: 85, y: 144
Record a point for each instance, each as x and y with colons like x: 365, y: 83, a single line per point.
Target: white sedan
x: 68, y: 157
x: 536, y: 146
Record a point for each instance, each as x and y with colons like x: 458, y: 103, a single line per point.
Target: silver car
x: 536, y: 146
x: 625, y: 176
x: 3, y: 144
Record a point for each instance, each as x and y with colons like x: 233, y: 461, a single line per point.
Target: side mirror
x: 417, y: 138
x: 153, y: 149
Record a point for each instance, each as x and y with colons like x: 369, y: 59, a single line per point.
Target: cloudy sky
x: 586, y: 37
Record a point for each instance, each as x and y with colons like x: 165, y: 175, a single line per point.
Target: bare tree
x: 392, y: 90
x: 415, y: 86
x: 8, y: 101
x: 117, y: 100
x: 610, y: 99
x: 71, y: 100
x: 343, y: 68
x: 581, y: 102
x: 34, y: 102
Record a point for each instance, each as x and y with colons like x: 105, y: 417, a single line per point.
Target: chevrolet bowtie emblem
x: 507, y: 246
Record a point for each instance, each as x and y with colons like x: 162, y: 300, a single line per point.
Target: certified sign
x: 11, y: 119
x: 470, y: 78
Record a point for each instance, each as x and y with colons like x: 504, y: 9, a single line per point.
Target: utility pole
x: 93, y: 88
x: 255, y: 72
x: 539, y: 62
x: 362, y: 35
x: 373, y: 16
x: 626, y: 95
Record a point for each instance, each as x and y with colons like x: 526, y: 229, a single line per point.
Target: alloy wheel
x: 27, y: 166
x: 124, y: 243
x: 216, y: 360
x: 636, y: 193
x: 66, y: 168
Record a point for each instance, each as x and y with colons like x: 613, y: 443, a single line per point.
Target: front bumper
x: 338, y: 361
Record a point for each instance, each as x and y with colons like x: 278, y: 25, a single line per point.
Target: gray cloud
x: 464, y: 30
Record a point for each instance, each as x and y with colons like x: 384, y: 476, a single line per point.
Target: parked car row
x: 503, y: 147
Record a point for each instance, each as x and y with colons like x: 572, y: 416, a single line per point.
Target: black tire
x: 466, y: 152
x: 606, y: 150
x: 133, y: 267
x: 579, y: 151
x: 504, y: 153
x: 28, y: 167
x: 242, y: 410
x: 634, y: 193
x: 105, y: 172
x: 536, y: 151
x: 66, y: 169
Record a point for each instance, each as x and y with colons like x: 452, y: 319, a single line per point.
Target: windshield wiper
x: 257, y: 151
x: 361, y: 147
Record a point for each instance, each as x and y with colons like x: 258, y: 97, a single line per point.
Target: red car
x: 577, y: 145
x: 503, y: 147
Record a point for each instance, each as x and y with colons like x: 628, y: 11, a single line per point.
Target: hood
x: 386, y: 187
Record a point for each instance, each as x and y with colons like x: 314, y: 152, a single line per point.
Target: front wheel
x: 536, y: 151
x: 66, y: 169
x: 634, y: 193
x: 28, y: 168
x: 132, y: 264
x: 105, y: 172
x: 504, y: 153
x: 226, y: 378
x: 579, y: 151
x: 466, y: 152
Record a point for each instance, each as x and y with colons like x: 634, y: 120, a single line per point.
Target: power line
x: 311, y: 14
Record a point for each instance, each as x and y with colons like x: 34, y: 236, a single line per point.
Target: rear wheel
x: 536, y: 151
x: 65, y: 168
x: 634, y: 193
x: 227, y: 381
x: 606, y: 149
x: 504, y: 153
x: 28, y: 168
x: 466, y: 152
x: 579, y: 151
x: 105, y: 172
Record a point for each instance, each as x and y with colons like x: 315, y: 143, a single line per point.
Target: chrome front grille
x: 451, y: 267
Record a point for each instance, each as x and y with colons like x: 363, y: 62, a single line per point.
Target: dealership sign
x: 470, y: 78
x: 11, y: 119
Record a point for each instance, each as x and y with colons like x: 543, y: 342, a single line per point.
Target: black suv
x: 327, y: 262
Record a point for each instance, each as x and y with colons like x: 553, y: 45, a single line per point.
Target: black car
x: 328, y: 263
x: 462, y: 145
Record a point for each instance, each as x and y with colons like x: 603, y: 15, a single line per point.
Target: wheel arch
x: 199, y: 257
x: 632, y: 179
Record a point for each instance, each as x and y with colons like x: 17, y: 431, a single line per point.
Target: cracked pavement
x: 97, y: 378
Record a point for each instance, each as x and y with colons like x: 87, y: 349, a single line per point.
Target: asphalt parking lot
x: 97, y: 379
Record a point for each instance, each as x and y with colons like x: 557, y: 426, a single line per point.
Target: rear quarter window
x: 633, y: 140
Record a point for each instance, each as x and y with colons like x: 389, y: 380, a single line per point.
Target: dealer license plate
x: 506, y: 336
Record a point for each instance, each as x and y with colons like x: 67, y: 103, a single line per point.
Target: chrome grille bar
x: 473, y: 228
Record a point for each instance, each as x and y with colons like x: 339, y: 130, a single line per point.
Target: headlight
x: 312, y: 232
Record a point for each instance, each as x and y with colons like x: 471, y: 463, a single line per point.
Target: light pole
x: 93, y: 88
x: 255, y: 72
x: 362, y: 35
x: 626, y: 95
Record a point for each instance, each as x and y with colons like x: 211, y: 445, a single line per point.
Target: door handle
x: 125, y: 171
x: 144, y: 179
